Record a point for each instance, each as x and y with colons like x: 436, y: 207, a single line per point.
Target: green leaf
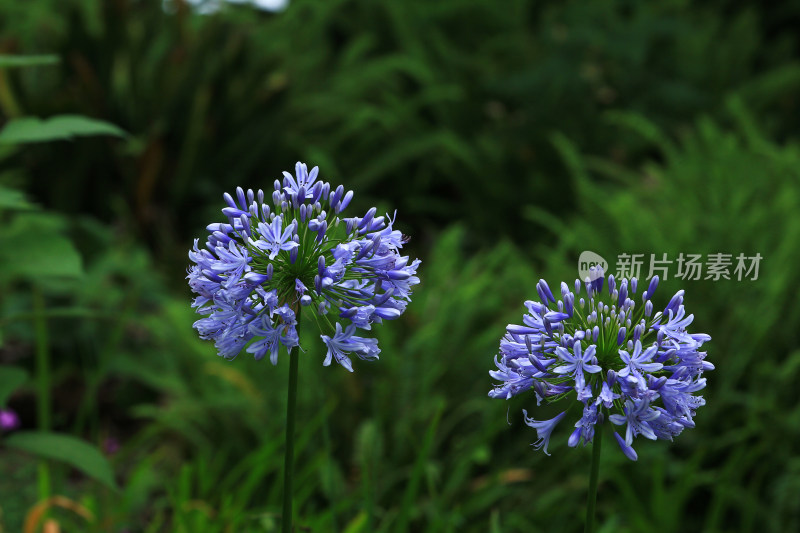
x: 62, y: 127
x: 11, y: 378
x: 31, y: 248
x: 67, y: 449
x: 357, y: 524
x: 15, y: 61
x: 30, y: 259
x: 13, y: 199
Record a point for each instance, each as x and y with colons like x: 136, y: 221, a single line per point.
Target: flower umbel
x: 613, y: 356
x: 295, y: 249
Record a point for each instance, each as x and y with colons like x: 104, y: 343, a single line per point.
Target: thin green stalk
x: 288, y: 468
x: 8, y: 102
x: 593, y: 476
x: 328, y: 446
x: 42, y: 382
x: 369, y: 469
x: 94, y: 379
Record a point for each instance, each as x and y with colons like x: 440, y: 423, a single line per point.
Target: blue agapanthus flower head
x: 294, y: 249
x: 609, y: 357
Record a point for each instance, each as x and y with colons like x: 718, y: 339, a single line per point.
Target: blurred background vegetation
x: 510, y: 137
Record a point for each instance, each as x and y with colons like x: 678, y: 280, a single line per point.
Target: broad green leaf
x: 11, y: 378
x: 65, y: 448
x: 15, y: 61
x: 13, y: 199
x: 62, y: 127
x: 31, y: 248
x: 51, y: 256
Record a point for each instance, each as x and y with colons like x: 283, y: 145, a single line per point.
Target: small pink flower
x: 9, y: 420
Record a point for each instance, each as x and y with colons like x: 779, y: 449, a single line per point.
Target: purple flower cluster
x: 614, y: 356
x: 9, y: 421
x: 269, y: 259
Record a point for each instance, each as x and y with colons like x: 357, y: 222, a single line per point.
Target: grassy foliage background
x: 510, y: 139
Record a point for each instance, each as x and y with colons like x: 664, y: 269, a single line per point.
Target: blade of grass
x: 418, y: 472
x: 42, y: 382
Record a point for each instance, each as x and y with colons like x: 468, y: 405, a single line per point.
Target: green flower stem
x: 8, y: 102
x: 591, y: 498
x: 288, y: 468
x: 42, y: 382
